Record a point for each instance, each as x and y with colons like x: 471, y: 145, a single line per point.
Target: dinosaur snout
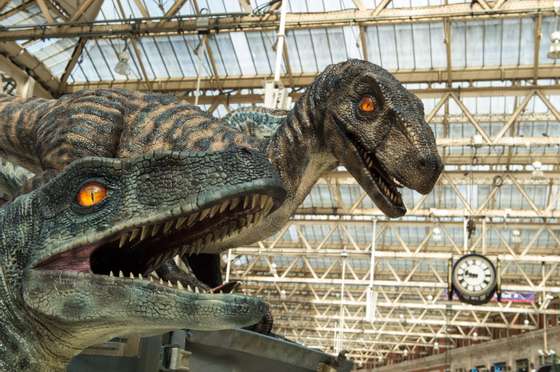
x: 429, y: 168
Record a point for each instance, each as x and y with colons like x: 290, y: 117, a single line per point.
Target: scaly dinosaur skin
x: 44, y: 136
x: 258, y: 122
x: 57, y: 294
x: 12, y: 180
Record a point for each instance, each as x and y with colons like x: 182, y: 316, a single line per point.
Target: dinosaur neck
x: 18, y: 129
x: 298, y: 149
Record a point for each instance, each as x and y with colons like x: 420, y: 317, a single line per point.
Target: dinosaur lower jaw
x: 138, y: 250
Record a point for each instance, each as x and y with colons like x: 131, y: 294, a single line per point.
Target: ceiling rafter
x: 302, y: 80
x: 21, y: 7
x: 189, y: 24
x: 45, y: 11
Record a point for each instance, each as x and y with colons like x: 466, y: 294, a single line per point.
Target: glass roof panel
x: 260, y: 46
x: 300, y: 51
x: 243, y: 53
x: 30, y: 16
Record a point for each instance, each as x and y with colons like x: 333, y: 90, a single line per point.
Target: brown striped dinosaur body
x: 46, y: 135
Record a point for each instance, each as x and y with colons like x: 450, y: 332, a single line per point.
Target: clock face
x: 474, y: 279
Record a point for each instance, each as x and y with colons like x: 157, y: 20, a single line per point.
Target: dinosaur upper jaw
x: 138, y: 247
x: 370, y: 173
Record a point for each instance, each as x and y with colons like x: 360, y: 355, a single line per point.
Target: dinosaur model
x: 355, y: 114
x: 68, y: 283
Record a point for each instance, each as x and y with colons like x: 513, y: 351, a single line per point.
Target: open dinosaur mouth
x: 386, y: 184
x: 138, y: 250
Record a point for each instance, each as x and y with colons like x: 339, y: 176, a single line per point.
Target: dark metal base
x: 223, y: 351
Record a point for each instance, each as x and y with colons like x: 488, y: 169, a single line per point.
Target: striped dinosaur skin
x: 44, y: 135
x: 57, y: 295
x: 259, y: 123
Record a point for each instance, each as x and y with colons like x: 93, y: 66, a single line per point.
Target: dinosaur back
x: 259, y: 123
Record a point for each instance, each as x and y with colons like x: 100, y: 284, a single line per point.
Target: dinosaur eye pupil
x: 91, y: 193
x: 367, y: 104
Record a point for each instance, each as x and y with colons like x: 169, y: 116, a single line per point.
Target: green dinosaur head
x: 69, y: 279
x: 376, y: 129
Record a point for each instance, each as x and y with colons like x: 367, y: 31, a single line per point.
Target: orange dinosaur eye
x: 367, y: 104
x: 91, y: 193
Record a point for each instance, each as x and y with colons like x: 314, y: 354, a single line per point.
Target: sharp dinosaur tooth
x: 190, y: 249
x: 155, y: 229
x: 131, y: 275
x: 167, y: 227
x: 196, y: 290
x: 259, y: 217
x: 169, y: 284
x: 204, y: 214
x: 161, y: 281
x: 246, y: 201
x: 192, y: 218
x: 269, y: 205
x: 199, y: 249
x: 263, y: 201
x: 134, y: 234
x: 151, y: 279
x: 234, y: 203
x: 224, y: 206
x: 180, y: 222
x: 179, y: 285
x: 121, y: 274
x: 111, y: 274
x: 140, y: 277
x: 122, y: 242
x: 254, y: 201
x: 213, y: 211
x: 145, y: 232
x: 189, y: 288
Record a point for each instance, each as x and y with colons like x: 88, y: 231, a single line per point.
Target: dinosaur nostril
x: 430, y: 163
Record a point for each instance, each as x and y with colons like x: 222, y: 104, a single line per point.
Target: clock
x: 474, y: 279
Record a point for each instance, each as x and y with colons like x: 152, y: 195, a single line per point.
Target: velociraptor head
x: 63, y: 257
x: 377, y: 130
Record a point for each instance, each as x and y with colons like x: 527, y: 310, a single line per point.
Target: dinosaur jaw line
x: 132, y: 304
x: 136, y: 250
x: 374, y: 178
x: 385, y: 183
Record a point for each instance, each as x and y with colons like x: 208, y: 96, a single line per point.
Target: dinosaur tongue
x: 76, y: 260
